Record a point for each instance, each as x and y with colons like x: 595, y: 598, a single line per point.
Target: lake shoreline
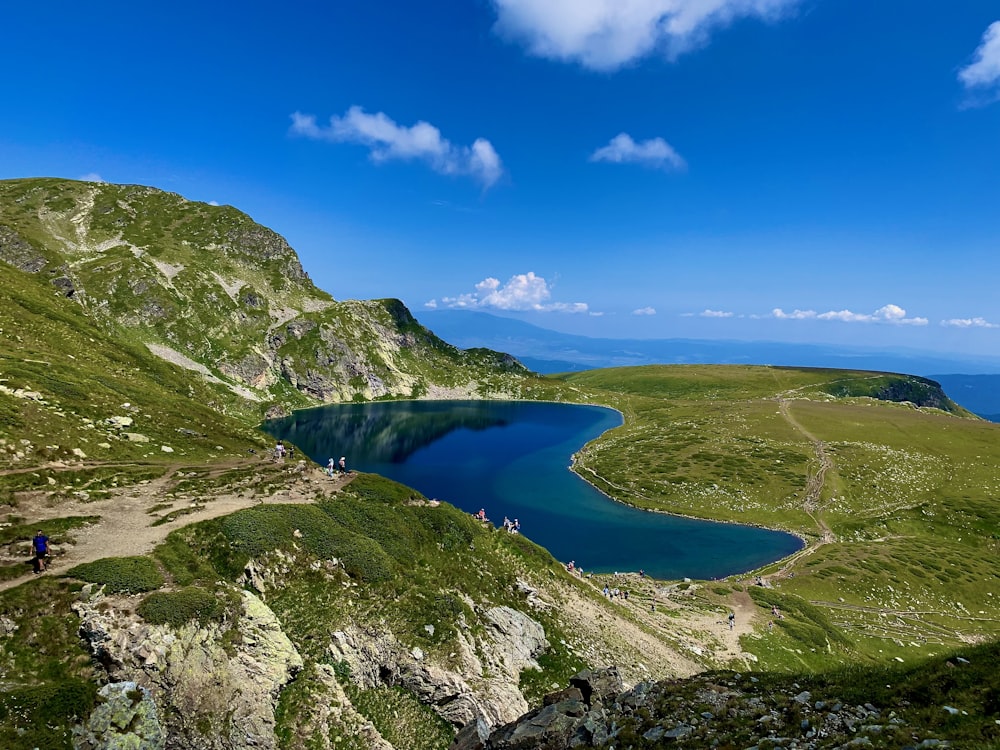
x: 315, y: 434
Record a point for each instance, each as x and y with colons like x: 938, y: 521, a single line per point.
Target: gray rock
x: 125, y: 718
x: 209, y: 698
x: 598, y: 684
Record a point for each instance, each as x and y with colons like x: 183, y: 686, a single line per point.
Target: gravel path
x: 126, y: 526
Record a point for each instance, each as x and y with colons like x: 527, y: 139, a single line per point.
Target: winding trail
x: 811, y: 503
x: 126, y: 526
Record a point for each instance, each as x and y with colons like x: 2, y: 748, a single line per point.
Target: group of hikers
x: 511, y: 527
x: 282, y: 451
x: 333, y: 467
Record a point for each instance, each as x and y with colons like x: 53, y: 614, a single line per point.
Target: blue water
x: 512, y: 459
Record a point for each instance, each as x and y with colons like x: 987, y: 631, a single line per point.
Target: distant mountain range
x: 547, y: 351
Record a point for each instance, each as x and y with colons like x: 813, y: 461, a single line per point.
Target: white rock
x: 166, y: 449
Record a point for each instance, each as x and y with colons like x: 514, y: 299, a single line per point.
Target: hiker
x: 481, y: 515
x: 343, y: 465
x: 40, y: 548
x: 330, y: 468
x: 279, y: 451
x: 515, y: 527
x: 732, y: 620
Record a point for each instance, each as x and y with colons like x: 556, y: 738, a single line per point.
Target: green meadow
x: 897, y: 502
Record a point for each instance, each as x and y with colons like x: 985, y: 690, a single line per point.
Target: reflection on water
x: 384, y: 432
x: 511, y: 458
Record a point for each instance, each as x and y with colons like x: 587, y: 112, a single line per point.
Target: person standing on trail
x: 343, y: 464
x: 330, y: 467
x: 732, y: 620
x: 40, y: 549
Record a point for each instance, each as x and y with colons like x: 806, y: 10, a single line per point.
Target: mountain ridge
x: 228, y: 294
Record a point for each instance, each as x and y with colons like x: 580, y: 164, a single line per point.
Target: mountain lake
x: 512, y: 459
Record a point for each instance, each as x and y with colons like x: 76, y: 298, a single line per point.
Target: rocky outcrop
x: 18, y: 252
x: 215, y: 685
x: 125, y: 717
x: 574, y: 717
x: 482, y: 688
x: 720, y: 709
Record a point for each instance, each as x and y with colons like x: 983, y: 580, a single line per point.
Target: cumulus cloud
x: 607, y: 34
x: 522, y: 292
x: 388, y: 140
x: 655, y: 152
x: 715, y: 314
x: 983, y: 73
x: 645, y: 311
x: 893, y: 314
x: 91, y: 177
x: 969, y: 323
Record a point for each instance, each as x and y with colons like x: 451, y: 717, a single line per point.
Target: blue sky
x: 788, y: 170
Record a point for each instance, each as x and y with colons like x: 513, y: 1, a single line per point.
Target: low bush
x: 121, y: 575
x: 177, y: 608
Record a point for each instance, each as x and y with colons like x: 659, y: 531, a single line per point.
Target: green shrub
x: 255, y: 531
x: 121, y: 575
x: 377, y: 488
x: 177, y: 608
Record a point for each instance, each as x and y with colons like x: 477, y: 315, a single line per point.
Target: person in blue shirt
x: 40, y: 548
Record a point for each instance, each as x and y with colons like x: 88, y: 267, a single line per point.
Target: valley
x: 145, y: 338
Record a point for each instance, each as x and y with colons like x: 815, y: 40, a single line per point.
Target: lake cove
x: 511, y: 458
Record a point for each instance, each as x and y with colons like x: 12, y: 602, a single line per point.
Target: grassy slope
x: 151, y: 267
x: 909, y: 497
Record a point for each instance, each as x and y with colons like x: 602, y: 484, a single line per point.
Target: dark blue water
x: 512, y: 459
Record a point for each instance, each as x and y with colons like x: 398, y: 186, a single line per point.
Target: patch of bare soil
x: 134, y: 519
x: 659, y: 631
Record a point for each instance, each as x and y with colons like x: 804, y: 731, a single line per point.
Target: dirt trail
x: 811, y: 504
x: 680, y: 636
x: 126, y: 526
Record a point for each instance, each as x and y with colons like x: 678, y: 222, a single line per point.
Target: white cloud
x: 645, y: 311
x: 794, y: 315
x: 893, y: 314
x: 715, y: 314
x: 524, y: 291
x: 984, y: 71
x: 654, y: 152
x: 91, y: 177
x: 969, y: 323
x: 607, y: 34
x: 421, y: 142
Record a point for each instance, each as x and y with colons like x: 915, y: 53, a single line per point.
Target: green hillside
x: 206, y: 287
x: 897, y: 503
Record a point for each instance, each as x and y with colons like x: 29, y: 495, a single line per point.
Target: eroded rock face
x: 483, y: 688
x: 125, y: 717
x: 216, y: 686
x: 574, y: 717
